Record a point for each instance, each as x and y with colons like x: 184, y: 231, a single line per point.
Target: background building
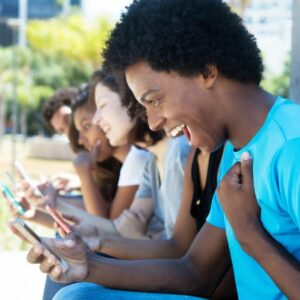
x: 36, y: 9
x: 271, y: 21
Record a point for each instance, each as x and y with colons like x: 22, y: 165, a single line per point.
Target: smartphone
x: 33, y: 238
x: 10, y: 196
x: 23, y: 174
x: 58, y: 219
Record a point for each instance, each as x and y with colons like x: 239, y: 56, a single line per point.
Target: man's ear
x: 209, y: 77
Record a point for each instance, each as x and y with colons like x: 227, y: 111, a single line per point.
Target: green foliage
x: 61, y: 52
x: 278, y: 84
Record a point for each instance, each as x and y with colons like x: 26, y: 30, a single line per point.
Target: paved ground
x: 19, y: 280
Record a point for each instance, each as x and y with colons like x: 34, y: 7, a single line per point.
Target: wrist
x: 93, y: 265
x: 249, y: 238
x: 83, y: 167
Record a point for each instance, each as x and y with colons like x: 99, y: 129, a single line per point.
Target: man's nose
x: 155, y: 121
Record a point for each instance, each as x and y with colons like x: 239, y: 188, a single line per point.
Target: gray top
x: 167, y: 194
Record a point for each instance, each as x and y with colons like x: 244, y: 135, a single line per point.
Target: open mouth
x: 187, y: 133
x: 178, y: 130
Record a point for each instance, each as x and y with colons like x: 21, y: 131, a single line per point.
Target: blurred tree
x: 239, y: 6
x: 278, y: 84
x: 61, y: 52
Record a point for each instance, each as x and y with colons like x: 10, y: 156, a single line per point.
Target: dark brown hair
x: 141, y: 131
x: 107, y: 172
x: 62, y: 97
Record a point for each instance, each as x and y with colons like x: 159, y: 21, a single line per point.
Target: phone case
x: 33, y: 238
x: 58, y: 219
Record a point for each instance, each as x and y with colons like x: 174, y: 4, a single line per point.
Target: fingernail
x: 69, y: 243
x: 37, y: 250
x: 246, y: 156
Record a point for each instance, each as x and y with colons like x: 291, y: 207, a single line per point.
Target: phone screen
x: 10, y: 196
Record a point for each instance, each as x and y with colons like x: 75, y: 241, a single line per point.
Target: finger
x: 75, y: 220
x: 48, y: 264
x: 35, y: 254
x: 56, y: 272
x: 246, y: 169
x: 234, y: 174
x: 141, y: 217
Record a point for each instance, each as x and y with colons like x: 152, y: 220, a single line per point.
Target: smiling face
x: 60, y: 120
x: 90, y: 135
x: 111, y: 116
x: 179, y: 104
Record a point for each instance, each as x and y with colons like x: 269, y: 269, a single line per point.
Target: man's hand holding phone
x: 72, y: 250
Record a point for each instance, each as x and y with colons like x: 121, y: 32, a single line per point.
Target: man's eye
x: 154, y: 102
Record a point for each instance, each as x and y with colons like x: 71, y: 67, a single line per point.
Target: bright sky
x: 95, y: 8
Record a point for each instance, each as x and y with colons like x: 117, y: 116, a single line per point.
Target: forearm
x: 94, y: 202
x: 172, y: 276
x: 126, y: 248
x: 282, y: 267
x: 102, y: 224
x: 40, y: 217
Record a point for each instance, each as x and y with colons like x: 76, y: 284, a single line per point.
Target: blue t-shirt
x: 276, y: 163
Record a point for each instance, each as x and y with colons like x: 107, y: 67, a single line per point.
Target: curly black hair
x: 185, y: 36
x: 62, y: 97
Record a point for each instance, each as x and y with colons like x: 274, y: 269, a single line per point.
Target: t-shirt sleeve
x: 287, y: 179
x: 133, y: 167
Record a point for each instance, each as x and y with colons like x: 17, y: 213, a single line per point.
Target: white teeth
x: 174, y: 132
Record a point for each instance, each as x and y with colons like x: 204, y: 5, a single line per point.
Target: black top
x: 202, y: 198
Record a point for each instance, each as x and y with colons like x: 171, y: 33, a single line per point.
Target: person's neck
x: 248, y: 108
x: 159, y: 150
x: 121, y: 152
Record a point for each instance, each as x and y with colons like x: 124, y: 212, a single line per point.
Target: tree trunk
x: 23, y: 122
x: 295, y: 53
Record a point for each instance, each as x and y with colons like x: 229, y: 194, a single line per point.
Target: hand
x: 65, y: 181
x: 50, y: 193
x: 31, y: 193
x: 237, y: 197
x: 89, y: 233
x: 19, y: 207
x: 72, y: 250
x: 84, y: 161
x: 131, y: 224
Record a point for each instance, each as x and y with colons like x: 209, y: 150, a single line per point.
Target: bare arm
x: 184, y: 233
x: 198, y: 272
x: 282, y: 267
x: 244, y: 217
x: 40, y: 217
x: 123, y: 200
x: 94, y: 201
